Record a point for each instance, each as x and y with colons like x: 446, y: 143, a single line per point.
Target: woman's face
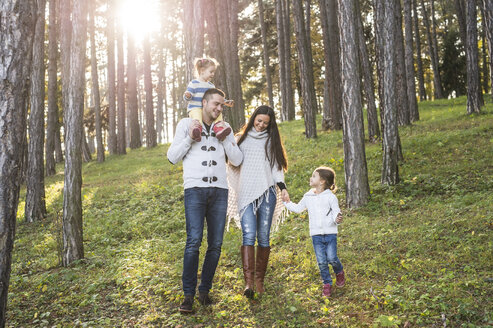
x: 261, y: 122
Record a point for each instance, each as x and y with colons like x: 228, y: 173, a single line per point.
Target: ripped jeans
x: 257, y: 225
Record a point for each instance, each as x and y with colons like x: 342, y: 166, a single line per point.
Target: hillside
x: 420, y: 254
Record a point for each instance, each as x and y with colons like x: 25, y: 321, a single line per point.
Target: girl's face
x: 261, y: 122
x: 207, y: 73
x: 316, y: 181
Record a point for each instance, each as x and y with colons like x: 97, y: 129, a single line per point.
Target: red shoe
x: 196, y: 131
x: 327, y: 291
x: 221, y: 132
x: 340, y: 279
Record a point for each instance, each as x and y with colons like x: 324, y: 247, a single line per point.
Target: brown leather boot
x: 261, y: 267
x: 248, y: 259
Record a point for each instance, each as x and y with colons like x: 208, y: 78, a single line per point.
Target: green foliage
x: 418, y: 255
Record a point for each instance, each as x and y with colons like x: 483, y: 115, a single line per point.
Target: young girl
x: 324, y: 216
x: 204, y: 70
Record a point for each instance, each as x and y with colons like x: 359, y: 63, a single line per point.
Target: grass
x: 420, y: 254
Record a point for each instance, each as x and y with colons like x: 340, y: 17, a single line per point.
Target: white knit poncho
x: 250, y: 182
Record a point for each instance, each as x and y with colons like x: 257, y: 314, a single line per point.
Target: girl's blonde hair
x: 203, y: 63
x: 329, y: 176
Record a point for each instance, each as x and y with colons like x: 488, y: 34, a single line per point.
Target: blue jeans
x: 325, y: 247
x: 257, y: 225
x: 209, y: 204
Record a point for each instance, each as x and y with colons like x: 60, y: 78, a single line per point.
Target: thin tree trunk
x: 281, y: 50
x: 193, y: 26
x: 419, y: 61
x: 58, y: 143
x: 121, y: 143
x: 390, y: 169
x: 35, y: 190
x: 265, y: 45
x: 484, y: 77
x: 369, y: 88
x: 306, y: 71
x: 52, y: 117
x: 488, y: 17
x: 86, y: 150
x: 473, y: 101
x: 287, y: 91
x: 150, y: 129
x: 135, y: 140
x: 460, y: 10
x: 357, y: 187
x: 161, y: 95
x: 95, y: 86
x: 403, y: 112
x: 110, y: 34
x: 16, y: 30
x: 411, y: 84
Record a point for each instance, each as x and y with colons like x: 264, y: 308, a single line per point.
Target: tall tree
x: 403, y: 112
x: 121, y: 143
x: 306, y: 71
x: 409, y: 50
x: 390, y: 169
x: 96, y: 98
x: 488, y: 18
x: 357, y: 187
x: 16, y: 30
x: 35, y: 191
x: 52, y: 116
x: 472, y: 58
x: 265, y: 46
x: 150, y: 128
x: 193, y: 30
x: 161, y: 95
x: 419, y: 61
x: 110, y: 36
x: 73, y: 248
x: 332, y: 117
x: 133, y: 107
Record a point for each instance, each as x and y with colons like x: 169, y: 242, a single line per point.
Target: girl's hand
x: 285, y: 196
x: 188, y: 95
x: 339, y: 218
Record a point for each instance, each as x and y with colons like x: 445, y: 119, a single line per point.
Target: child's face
x: 208, y: 73
x: 315, y: 180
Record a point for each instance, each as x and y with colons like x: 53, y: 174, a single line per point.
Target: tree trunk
x: 110, y: 35
x: 419, y: 61
x: 161, y: 95
x: 281, y: 50
x: 95, y: 85
x: 73, y: 248
x: 488, y: 18
x: 411, y: 84
x: 265, y: 45
x: 52, y: 116
x: 357, y: 187
x: 473, y: 101
x: 390, y: 169
x: 35, y: 190
x: 121, y: 142
x: 16, y: 30
x: 306, y: 71
x: 86, y: 149
x: 291, y: 111
x: 193, y: 30
x: 460, y: 9
x: 484, y: 73
x: 133, y: 108
x: 437, y: 83
x: 403, y: 112
x: 150, y: 129
x: 369, y: 88
x: 58, y: 142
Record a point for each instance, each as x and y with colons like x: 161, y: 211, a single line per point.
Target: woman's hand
x: 339, y: 218
x: 285, y: 196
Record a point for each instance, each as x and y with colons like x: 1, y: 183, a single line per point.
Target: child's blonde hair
x: 329, y: 176
x: 203, y: 63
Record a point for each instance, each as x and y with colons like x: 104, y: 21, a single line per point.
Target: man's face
x: 212, y: 108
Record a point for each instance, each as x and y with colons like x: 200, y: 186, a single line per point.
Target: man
x: 206, y: 193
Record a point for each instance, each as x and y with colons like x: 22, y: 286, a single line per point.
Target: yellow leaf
x: 44, y: 288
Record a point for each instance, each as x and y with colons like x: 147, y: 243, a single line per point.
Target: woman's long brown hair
x: 276, y: 154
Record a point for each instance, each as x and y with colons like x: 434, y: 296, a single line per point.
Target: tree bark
x: 135, y: 140
x: 193, y: 30
x: 110, y: 35
x: 409, y: 50
x: 16, y: 30
x: 265, y: 45
x: 472, y: 59
x: 121, y: 142
x: 419, y: 61
x: 73, y: 248
x: 357, y: 187
x: 488, y: 18
x: 52, y: 116
x: 150, y: 129
x: 403, y: 112
x: 95, y: 85
x: 161, y: 95
x: 390, y: 169
x: 306, y: 71
x: 369, y: 86
x: 35, y: 190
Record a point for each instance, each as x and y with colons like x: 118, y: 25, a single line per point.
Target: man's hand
x: 339, y: 218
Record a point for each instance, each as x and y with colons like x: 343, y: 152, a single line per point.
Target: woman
x: 262, y: 170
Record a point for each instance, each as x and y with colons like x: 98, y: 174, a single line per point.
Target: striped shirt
x: 197, y: 89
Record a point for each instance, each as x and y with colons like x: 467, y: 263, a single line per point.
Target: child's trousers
x: 325, y: 247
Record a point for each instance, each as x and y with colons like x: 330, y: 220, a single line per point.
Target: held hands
x: 339, y: 218
x: 285, y: 196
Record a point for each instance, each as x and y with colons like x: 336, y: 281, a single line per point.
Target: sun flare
x: 139, y: 17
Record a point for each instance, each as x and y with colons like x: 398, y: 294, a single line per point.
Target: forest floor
x: 420, y: 254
